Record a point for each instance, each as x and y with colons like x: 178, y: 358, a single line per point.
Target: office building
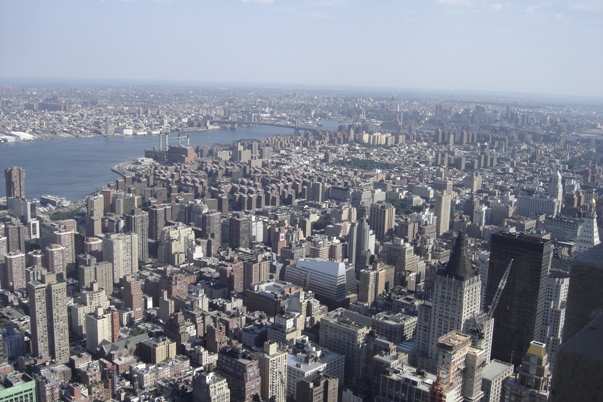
x: 553, y: 318
x: 13, y: 277
x: 209, y: 386
x: 519, y: 314
x: 382, y: 219
x: 241, y: 372
x: 532, y: 382
x: 273, y: 371
x: 359, y: 241
x: 15, y: 182
x: 588, y: 236
x: 48, y: 317
x: 159, y: 214
x: 347, y: 337
x: 455, y: 303
x: 317, y: 387
x: 17, y: 387
x: 95, y: 210
x: 331, y: 281
x: 584, y: 297
x: 138, y: 222
x: 493, y: 376
x: 443, y: 202
x: 177, y: 245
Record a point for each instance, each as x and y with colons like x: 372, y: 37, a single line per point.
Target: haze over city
x: 514, y: 46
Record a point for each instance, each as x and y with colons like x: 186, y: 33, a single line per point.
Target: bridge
x: 297, y: 127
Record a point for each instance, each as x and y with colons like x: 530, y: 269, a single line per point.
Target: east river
x: 75, y: 167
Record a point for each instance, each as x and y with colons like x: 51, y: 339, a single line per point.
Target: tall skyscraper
x: 15, y: 182
x: 532, y: 382
x: 556, y: 189
x: 588, y: 235
x: 518, y: 316
x: 49, y: 321
x: 455, y: 302
x: 382, y: 219
x: 158, y: 215
x: 443, y: 202
x: 55, y: 260
x: 95, y: 210
x: 359, y: 241
x: 138, y: 222
x: 273, y: 371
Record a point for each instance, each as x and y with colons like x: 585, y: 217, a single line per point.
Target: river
x: 75, y: 167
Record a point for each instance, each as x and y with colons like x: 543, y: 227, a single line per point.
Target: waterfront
x: 75, y: 167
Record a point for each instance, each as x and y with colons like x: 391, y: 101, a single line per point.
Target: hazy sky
x: 550, y: 47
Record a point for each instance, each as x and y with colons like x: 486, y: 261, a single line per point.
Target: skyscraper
x: 121, y: 250
x: 239, y: 232
x: 518, y: 316
x: 532, y: 382
x: 556, y: 189
x: 15, y: 182
x: 48, y: 313
x: 132, y: 295
x: 443, y: 202
x: 359, y: 238
x: 382, y: 219
x: 588, y: 235
x: 209, y: 386
x: 456, y: 301
x: 138, y: 222
x: 241, y: 372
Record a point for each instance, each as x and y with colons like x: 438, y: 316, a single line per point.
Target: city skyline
x: 448, y: 45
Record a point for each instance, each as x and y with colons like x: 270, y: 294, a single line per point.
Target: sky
x: 541, y: 47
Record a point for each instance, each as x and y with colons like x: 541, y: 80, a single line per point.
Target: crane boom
x: 501, y: 286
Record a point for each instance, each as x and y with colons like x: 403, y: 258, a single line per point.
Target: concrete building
x: 273, y: 371
x: 443, y: 203
x: 121, y: 250
x: 92, y: 298
x: 48, y: 313
x: 98, y: 329
x: 532, y: 382
x: 15, y: 182
x: 317, y: 387
x: 209, y: 386
x: 90, y: 270
x: 518, y: 318
x: 241, y: 372
x: 492, y: 378
x: 13, y: 277
x: 17, y: 387
x: 382, y: 219
x: 138, y: 222
x: 132, y: 296
x: 345, y: 336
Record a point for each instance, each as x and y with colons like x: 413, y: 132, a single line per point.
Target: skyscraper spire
x: 459, y: 265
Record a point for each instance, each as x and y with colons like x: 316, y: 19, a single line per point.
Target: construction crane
x: 501, y: 286
x: 490, y: 313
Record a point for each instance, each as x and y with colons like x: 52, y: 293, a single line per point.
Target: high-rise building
x: 15, y: 182
x: 273, y: 371
x: 556, y: 189
x: 359, y: 241
x: 158, y: 215
x: 209, y: 386
x: 443, y: 202
x: 98, y: 329
x: 518, y: 316
x: 18, y: 386
x: 15, y: 233
x: 48, y: 313
x: 455, y: 303
x: 91, y: 299
x: 90, y: 271
x: 347, y: 337
x: 241, y: 372
x: 317, y: 387
x: 382, y: 219
x: 13, y: 277
x: 588, y: 236
x: 492, y: 378
x: 532, y: 382
x: 553, y: 317
x: 133, y: 297
x: 176, y: 245
x: 55, y: 260
x: 138, y: 222
x: 95, y: 210
x: 66, y: 238
x: 239, y: 232
x: 121, y: 250
x: 372, y: 284
x: 584, y: 296
x: 94, y: 247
